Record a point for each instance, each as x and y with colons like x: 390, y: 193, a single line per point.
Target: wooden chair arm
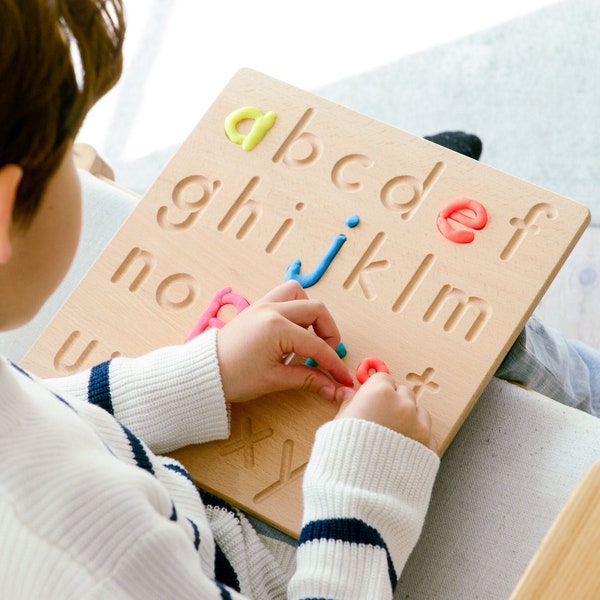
x: 566, y: 565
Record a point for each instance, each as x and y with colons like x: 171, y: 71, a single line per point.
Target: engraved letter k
x: 365, y: 266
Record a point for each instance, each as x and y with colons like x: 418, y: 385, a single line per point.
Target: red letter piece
x: 372, y: 363
x: 209, y: 317
x: 452, y: 212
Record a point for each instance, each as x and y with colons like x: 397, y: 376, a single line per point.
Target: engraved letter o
x: 178, y: 280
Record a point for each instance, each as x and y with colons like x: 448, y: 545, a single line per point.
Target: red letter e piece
x: 452, y: 211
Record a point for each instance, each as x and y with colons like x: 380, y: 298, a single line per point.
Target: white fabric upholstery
x: 501, y: 483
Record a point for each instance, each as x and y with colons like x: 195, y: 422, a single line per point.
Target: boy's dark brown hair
x: 57, y: 57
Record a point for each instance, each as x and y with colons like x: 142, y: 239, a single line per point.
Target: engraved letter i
x: 293, y: 271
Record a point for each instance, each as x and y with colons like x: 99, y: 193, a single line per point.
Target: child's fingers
x: 301, y: 377
x: 394, y: 406
x: 305, y: 343
x: 344, y: 394
x: 311, y: 313
x: 291, y: 301
x: 290, y: 290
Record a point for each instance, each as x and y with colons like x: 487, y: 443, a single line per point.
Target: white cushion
x: 502, y: 482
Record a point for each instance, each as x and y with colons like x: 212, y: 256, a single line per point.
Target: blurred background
x: 521, y: 74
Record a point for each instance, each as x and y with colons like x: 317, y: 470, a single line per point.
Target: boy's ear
x: 10, y: 177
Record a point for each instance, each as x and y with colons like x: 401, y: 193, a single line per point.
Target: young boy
x: 88, y: 508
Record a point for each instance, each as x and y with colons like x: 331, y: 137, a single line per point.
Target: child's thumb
x: 344, y: 395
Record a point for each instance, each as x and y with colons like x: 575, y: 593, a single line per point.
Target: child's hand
x: 383, y: 402
x: 253, y: 346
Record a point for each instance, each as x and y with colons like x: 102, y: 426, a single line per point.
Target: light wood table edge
x: 566, y: 564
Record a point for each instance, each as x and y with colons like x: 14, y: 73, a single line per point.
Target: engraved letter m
x: 462, y: 304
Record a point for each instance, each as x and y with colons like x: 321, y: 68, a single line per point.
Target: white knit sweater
x: 88, y: 510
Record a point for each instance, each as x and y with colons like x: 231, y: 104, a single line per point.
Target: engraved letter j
x: 293, y: 271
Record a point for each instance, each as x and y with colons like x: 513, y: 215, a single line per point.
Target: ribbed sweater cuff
x: 172, y: 397
x: 361, y: 470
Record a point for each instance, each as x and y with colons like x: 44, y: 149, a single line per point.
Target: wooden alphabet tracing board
x: 429, y: 261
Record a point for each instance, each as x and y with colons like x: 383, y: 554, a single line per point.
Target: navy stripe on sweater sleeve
x: 99, y: 387
x: 211, y: 500
x: 224, y: 571
x: 225, y: 595
x: 179, y: 469
x: 139, y: 453
x: 196, y: 533
x: 353, y: 531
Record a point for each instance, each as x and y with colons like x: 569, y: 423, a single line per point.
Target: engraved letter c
x: 337, y: 175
